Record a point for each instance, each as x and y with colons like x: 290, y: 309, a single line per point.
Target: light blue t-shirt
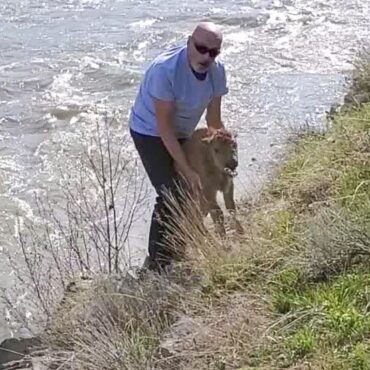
x: 169, y: 77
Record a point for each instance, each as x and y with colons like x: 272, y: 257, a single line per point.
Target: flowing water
x: 286, y: 63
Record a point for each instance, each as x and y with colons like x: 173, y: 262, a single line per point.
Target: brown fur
x: 208, y: 153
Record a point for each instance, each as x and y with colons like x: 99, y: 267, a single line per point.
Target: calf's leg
x: 228, y: 194
x: 216, y: 214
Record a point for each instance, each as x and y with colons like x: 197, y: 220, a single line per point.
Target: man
x: 177, y: 88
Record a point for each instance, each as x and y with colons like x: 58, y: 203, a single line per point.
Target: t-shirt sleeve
x: 159, y: 84
x: 220, y: 81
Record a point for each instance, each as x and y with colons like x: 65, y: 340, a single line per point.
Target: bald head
x: 204, y: 45
x: 207, y: 31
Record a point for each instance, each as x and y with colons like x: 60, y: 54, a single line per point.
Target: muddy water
x: 286, y: 63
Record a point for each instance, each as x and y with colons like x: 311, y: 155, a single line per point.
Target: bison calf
x: 213, y: 155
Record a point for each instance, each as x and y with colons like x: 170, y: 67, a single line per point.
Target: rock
x: 179, y: 340
x: 25, y: 364
x: 15, y: 349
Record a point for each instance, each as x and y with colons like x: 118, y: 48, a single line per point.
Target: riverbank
x: 292, y: 293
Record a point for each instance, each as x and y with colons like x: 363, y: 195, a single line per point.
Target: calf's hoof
x: 239, y: 228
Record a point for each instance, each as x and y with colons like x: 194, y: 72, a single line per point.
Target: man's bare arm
x: 213, y: 115
x: 164, y: 111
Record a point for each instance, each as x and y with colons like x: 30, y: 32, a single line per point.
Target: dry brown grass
x: 228, y: 332
x: 112, y: 324
x: 333, y: 243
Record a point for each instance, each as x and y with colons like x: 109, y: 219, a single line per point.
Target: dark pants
x: 159, y: 165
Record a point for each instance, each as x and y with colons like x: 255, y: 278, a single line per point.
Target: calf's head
x: 222, y: 150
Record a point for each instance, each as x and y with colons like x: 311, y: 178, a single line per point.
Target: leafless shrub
x: 83, y: 233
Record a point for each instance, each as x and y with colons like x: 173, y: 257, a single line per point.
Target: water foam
x: 144, y: 23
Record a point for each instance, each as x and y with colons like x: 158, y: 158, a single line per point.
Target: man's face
x: 203, y: 50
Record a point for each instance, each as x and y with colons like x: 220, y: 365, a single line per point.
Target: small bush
x: 302, y: 342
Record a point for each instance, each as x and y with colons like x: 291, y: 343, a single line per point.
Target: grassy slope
x: 323, y: 288
x: 293, y: 293
x: 312, y: 228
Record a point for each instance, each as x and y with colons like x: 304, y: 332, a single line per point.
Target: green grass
x: 330, y: 167
x: 337, y: 310
x: 302, y: 342
x: 326, y: 188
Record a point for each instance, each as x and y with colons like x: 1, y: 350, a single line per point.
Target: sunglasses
x: 204, y: 50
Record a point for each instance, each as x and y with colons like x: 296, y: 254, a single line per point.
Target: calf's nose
x: 233, y: 163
